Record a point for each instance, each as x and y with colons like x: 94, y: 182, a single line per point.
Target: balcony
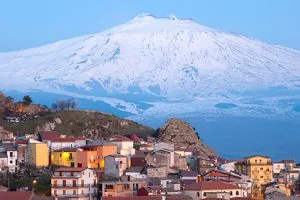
x: 73, y: 186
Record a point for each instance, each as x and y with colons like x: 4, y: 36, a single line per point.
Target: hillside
x: 79, y: 123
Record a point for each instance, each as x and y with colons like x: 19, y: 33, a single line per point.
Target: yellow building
x: 259, y: 168
x: 64, y: 157
x: 38, y: 154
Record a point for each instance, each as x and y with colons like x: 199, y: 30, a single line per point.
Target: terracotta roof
x: 49, y: 135
x: 16, y: 195
x: 70, y: 169
x: 22, y: 141
x: 210, y: 185
x: 67, y: 149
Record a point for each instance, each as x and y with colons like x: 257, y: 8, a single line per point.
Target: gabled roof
x: 210, y: 185
x: 49, y: 135
x: 70, y: 169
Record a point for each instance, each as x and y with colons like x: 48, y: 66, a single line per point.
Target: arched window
x: 230, y: 193
x: 237, y: 193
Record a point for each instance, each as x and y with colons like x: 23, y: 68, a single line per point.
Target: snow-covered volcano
x: 153, y: 66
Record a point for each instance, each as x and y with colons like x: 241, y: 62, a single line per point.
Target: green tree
x: 27, y: 100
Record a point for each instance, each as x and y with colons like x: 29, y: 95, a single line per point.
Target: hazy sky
x: 30, y: 23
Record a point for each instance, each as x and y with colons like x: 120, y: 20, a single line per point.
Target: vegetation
x: 81, y: 123
x: 27, y: 100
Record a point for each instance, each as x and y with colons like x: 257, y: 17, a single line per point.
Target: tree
x: 27, y: 100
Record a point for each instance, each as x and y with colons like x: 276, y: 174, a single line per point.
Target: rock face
x: 182, y: 134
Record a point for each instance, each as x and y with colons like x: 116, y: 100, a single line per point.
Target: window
x: 70, y: 156
x: 230, y: 193
x: 82, y: 192
x: 64, y: 192
x: 89, y: 174
x: 55, y: 184
x: 74, y: 183
x: 261, y: 168
x: 94, y: 182
x: 121, y: 162
x: 74, y: 192
x: 60, y: 173
x: 11, y: 154
x: 55, y: 192
x: 198, y: 194
x: 237, y: 193
x: 72, y: 173
x: 64, y: 183
x: 204, y: 194
x: 10, y: 161
x: 126, y: 186
x: 261, y: 176
x: 82, y: 183
x: 60, y: 155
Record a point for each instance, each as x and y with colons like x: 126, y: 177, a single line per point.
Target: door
x: 72, y: 164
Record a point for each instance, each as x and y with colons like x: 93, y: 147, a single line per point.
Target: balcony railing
x: 73, y: 186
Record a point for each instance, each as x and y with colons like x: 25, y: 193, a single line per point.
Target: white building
x: 136, y: 173
x: 12, y: 158
x: 214, y: 189
x: 115, y: 165
x: 228, y: 167
x: 125, y: 145
x: 80, y: 183
x: 277, y: 167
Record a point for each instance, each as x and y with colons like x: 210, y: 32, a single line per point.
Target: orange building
x: 93, y: 156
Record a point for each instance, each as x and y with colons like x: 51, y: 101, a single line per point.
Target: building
x: 151, y: 191
x: 121, y: 188
x: 136, y: 173
x: 3, y: 161
x: 161, y: 171
x: 214, y: 189
x: 64, y: 157
x: 228, y: 166
x: 183, y: 151
x: 161, y: 157
x: 22, y: 151
x: 124, y: 144
x: 259, y: 168
x: 115, y: 165
x: 38, y: 154
x: 12, y: 157
x: 74, y: 183
x: 290, y: 176
x: 277, y: 167
x: 92, y: 156
x: 272, y: 189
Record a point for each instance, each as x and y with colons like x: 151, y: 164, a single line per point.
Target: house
x: 277, y: 167
x: 150, y: 191
x: 259, y: 168
x: 272, y: 188
x: 138, y: 161
x: 136, y: 173
x: 17, y: 195
x: 205, y: 164
x: 22, y: 151
x: 120, y: 188
x: 115, y: 165
x: 291, y: 176
x: 216, y: 189
x: 183, y: 151
x: 12, y: 156
x: 161, y: 171
x: 74, y: 183
x: 92, y: 156
x: 64, y: 157
x: 221, y: 176
x: 190, y: 176
x: 161, y: 157
x: 180, y: 162
x: 55, y: 141
x: 162, y: 145
x: 38, y: 154
x: 3, y: 161
x: 228, y: 166
x: 124, y: 144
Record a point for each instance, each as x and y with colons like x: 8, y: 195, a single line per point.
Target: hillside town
x: 51, y: 165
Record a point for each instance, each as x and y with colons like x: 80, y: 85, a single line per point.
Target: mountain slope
x: 160, y: 67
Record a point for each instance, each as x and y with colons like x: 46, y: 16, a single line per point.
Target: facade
x: 216, y: 189
x: 260, y: 169
x: 121, y: 188
x: 66, y: 157
x: 124, y: 144
x: 229, y: 166
x: 3, y: 161
x: 87, y: 156
x: 136, y: 173
x: 162, y: 157
x: 78, y: 183
x: 291, y: 177
x: 115, y: 165
x: 161, y: 171
x: 38, y: 154
x: 277, y: 167
x: 12, y: 158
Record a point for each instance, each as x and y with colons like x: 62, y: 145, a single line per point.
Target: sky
x: 31, y: 23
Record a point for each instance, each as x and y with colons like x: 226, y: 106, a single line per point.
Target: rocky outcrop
x: 182, y: 134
